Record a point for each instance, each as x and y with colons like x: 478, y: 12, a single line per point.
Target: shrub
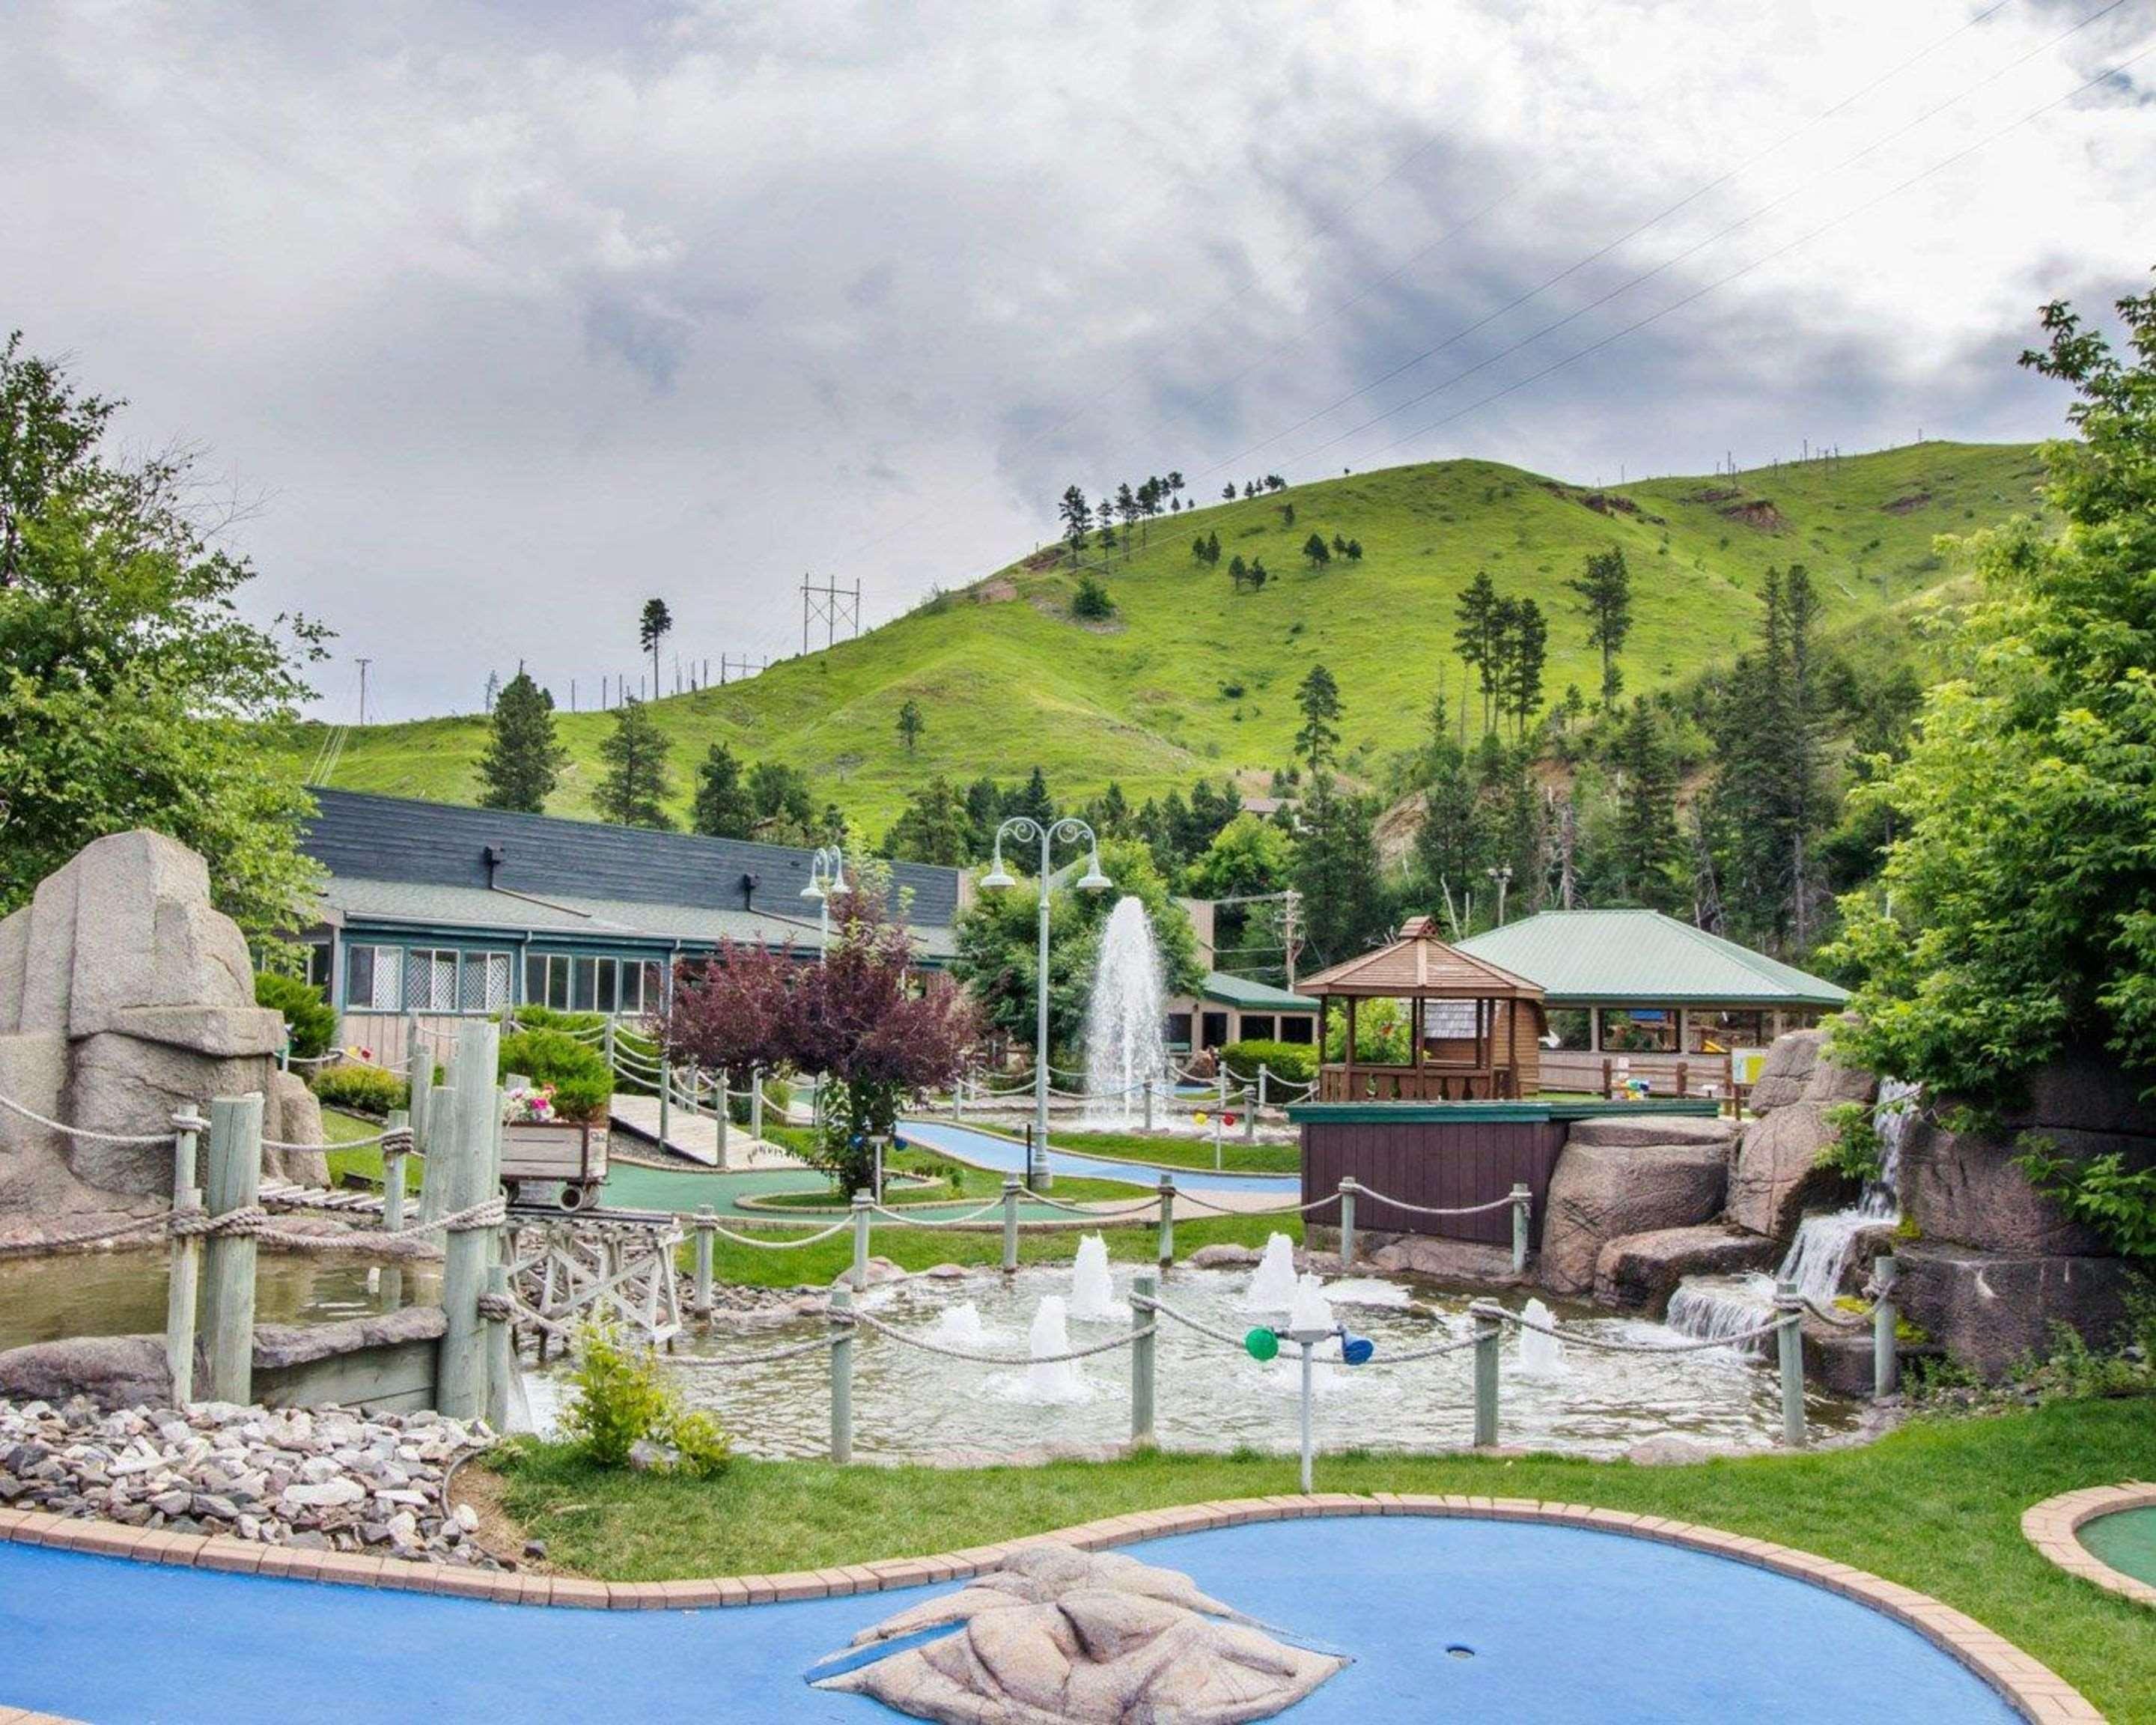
x: 1091, y: 600
x: 582, y: 1085
x: 2102, y: 1192
x: 545, y: 1018
x: 1856, y: 1148
x: 310, y: 1021
x: 777, y: 1097
x: 1295, y: 1061
x: 360, y: 1090
x: 621, y: 1398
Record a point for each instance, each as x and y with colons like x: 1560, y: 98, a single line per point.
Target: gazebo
x: 1475, y: 1028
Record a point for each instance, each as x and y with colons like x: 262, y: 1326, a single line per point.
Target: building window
x: 1709, y: 1032
x: 1298, y: 1028
x: 572, y: 983
x: 1639, y: 1029
x: 607, y: 998
x: 319, y: 957
x: 1212, y: 1027
x: 1257, y: 1027
x: 1177, y: 1030
x: 1570, y: 1026
x: 374, y: 974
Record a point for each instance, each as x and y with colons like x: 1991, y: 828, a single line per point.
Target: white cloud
x: 519, y: 316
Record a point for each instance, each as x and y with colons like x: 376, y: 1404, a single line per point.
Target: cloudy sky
x: 511, y: 315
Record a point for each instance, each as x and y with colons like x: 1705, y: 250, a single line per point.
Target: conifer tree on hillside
x: 1646, y: 843
x: 636, y: 786
x: 1319, y: 699
x: 522, y: 759
x: 652, y: 628
x: 1316, y: 553
x: 910, y: 724
x: 1034, y: 799
x: 722, y: 808
x: 1480, y: 612
x: 1336, y: 869
x: 1604, y: 588
x: 933, y: 828
x: 1526, y: 638
x: 1077, y: 514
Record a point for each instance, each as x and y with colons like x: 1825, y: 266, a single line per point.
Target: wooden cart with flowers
x: 546, y: 1159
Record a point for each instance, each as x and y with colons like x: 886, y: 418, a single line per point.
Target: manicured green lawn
x: 1936, y: 1507
x: 1236, y: 1156
x: 339, y: 1127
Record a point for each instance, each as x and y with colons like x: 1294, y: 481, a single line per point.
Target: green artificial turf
x: 1936, y: 1507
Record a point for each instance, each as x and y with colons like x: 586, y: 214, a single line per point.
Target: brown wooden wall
x: 1440, y: 1162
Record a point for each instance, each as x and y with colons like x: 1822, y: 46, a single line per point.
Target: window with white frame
x: 373, y: 978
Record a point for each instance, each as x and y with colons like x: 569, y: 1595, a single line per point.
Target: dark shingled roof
x: 365, y: 837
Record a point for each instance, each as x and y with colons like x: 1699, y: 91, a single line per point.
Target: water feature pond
x: 123, y: 1293
x: 911, y: 1404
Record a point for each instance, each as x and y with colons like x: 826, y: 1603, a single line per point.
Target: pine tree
x: 1645, y: 843
x: 1336, y: 869
x: 522, y: 758
x: 1604, y: 588
x: 1476, y: 639
x: 722, y: 808
x: 1527, y: 652
x: 1315, y: 551
x: 652, y: 627
x: 1448, y: 848
x: 1034, y: 799
x: 910, y: 724
x: 934, y: 827
x: 1319, y: 699
x: 1077, y: 516
x: 635, y: 787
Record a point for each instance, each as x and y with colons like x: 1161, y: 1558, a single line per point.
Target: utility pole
x: 363, y: 664
x: 833, y: 605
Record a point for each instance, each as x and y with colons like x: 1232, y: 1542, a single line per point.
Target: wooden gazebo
x: 1476, y: 1030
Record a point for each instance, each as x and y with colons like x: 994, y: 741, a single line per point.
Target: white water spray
x: 1125, y: 1046
x: 1540, y: 1356
x: 1272, y: 1286
x: 1309, y: 1310
x: 1092, y: 1289
x: 959, y: 1326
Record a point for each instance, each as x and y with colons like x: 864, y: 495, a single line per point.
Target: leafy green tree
x: 1336, y: 870
x: 722, y: 808
x: 1318, y: 699
x: 636, y: 787
x: 1477, y: 639
x: 1315, y: 551
x: 1604, y: 588
x: 522, y: 758
x: 1246, y: 856
x: 997, y: 955
x: 133, y: 693
x: 933, y: 828
x: 655, y: 624
x: 910, y: 724
x: 1091, y: 600
x: 2015, y: 917
x: 1077, y: 516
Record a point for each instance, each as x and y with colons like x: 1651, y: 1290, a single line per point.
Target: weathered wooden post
x: 958, y: 1096
x: 606, y: 1046
x: 1143, y: 1289
x: 726, y: 1116
x: 501, y: 1346
x: 707, y: 1222
x: 842, y: 1375
x: 396, y: 1145
x: 1011, y: 1190
x: 1523, y: 1200
x: 862, y: 1203
x: 1886, y: 1320
x: 756, y: 1103
x: 1265, y: 1072
x: 1166, y: 1255
x: 1347, y: 1221
x: 1250, y: 1116
x: 1489, y: 1332
x: 184, y: 1277
x: 434, y: 1167
x: 1148, y: 1104
x: 235, y: 1180
x: 1789, y: 1344
x: 467, y: 1151
x: 665, y: 1094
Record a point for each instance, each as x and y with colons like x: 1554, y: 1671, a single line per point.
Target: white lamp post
x: 827, y: 877
x: 1024, y: 829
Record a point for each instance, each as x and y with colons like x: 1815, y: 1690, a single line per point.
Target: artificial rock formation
x: 1634, y: 1175
x: 1778, y: 1176
x: 1056, y: 1636
x: 126, y: 995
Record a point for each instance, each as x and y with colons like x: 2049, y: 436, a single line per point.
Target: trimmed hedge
x: 308, y: 1021
x: 582, y: 1085
x: 360, y: 1090
x: 1295, y: 1061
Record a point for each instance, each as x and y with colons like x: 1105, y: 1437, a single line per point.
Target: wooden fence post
x: 862, y: 1202
x: 1489, y: 1328
x: 392, y: 1169
x: 1886, y: 1321
x: 1347, y: 1221
x: 756, y: 1103
x: 842, y: 1375
x: 707, y: 1222
x: 1143, y: 1320
x: 184, y: 1277
x: 1523, y: 1199
x: 500, y: 1342
x: 1789, y: 1345
x: 467, y: 1152
x: 1166, y: 1252
x: 235, y: 1180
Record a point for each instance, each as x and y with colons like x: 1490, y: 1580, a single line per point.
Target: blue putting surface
x: 1444, y: 1619
x: 987, y: 1150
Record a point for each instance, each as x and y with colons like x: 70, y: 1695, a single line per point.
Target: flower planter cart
x: 563, y: 1160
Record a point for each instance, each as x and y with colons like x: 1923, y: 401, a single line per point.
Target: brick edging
x: 2051, y: 1527
x: 2032, y: 1688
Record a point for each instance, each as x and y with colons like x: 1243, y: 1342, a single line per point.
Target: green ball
x: 1262, y: 1344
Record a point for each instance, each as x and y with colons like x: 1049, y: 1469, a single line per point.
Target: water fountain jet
x: 1092, y: 1289
x: 1125, y: 1046
x: 1272, y: 1286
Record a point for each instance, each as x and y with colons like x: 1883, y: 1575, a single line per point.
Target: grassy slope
x: 1007, y: 685
x: 1935, y: 1507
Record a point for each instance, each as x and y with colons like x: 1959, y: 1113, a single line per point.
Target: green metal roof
x: 1644, y: 958
x: 1241, y: 993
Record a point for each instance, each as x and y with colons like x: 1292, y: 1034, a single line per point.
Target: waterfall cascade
x: 1126, y: 1043
x: 1818, y: 1259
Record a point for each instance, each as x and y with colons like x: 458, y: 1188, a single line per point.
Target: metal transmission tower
x: 363, y: 664
x: 833, y: 606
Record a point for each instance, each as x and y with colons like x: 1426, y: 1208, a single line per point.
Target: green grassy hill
x: 1193, y: 678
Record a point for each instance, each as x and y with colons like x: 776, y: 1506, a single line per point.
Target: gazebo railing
x: 1367, y: 1083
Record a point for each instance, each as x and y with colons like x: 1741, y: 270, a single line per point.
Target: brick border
x: 2035, y: 1692
x: 2053, y: 1525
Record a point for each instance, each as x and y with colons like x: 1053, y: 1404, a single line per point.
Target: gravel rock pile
x: 320, y: 1479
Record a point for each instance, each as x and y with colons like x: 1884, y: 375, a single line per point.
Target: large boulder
x: 1599, y: 1192
x: 1457, y: 1263
x: 1627, y: 1131
x: 292, y: 1115
x: 1786, y: 1073
x: 1640, y: 1271
x: 1991, y: 1309
x: 1831, y: 1083
x: 1778, y: 1175
x: 127, y: 1087
x: 113, y: 1371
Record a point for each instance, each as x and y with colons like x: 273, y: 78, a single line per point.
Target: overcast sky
x: 515, y: 314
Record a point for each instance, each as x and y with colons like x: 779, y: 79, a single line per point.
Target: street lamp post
x: 1023, y: 828
x: 827, y: 877
x: 1503, y: 876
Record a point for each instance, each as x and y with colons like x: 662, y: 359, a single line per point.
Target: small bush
x: 582, y: 1085
x: 2102, y: 1192
x: 360, y: 1090
x: 310, y: 1021
x: 1857, y: 1149
x: 545, y: 1018
x: 1091, y: 600
x: 622, y: 1398
x: 777, y: 1097
x: 1295, y: 1061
